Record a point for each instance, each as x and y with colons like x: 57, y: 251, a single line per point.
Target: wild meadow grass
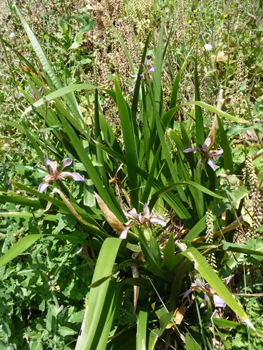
x: 131, y: 175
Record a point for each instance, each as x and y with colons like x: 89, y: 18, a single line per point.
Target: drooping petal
x: 187, y: 292
x: 42, y: 187
x: 206, y: 144
x: 207, y: 298
x: 123, y: 235
x: 41, y: 90
x: 187, y: 150
x: 77, y: 177
x: 157, y: 221
x: 74, y: 176
x: 218, y: 302
x: 66, y: 163
x: 47, y: 161
x: 211, y: 163
x: 217, y: 155
x: 151, y: 78
x: 151, y: 69
x: 198, y: 283
x: 146, y: 62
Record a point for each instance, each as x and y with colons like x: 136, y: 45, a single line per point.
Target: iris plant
x: 142, y: 219
x: 54, y: 174
x: 210, y: 155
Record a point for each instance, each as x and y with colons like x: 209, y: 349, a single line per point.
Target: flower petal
x: 47, y: 161
x: 187, y: 150
x: 146, y: 209
x: 74, y: 176
x: 198, y: 283
x: 157, y: 221
x: 151, y: 69
x: 66, y: 163
x: 211, y: 163
x: 123, y: 235
x: 133, y: 214
x: 42, y: 187
x: 206, y: 298
x: 187, y: 292
x: 206, y: 144
x: 41, y: 90
x: 218, y: 302
x: 77, y: 177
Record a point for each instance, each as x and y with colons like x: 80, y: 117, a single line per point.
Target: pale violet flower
x: 208, y: 47
x: 33, y: 95
x: 54, y: 175
x: 140, y: 219
x: 211, y: 155
x: 218, y: 301
x: 143, y: 76
x: 41, y: 90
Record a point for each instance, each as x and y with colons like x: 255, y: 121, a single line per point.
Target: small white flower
x: 12, y: 35
x: 208, y: 47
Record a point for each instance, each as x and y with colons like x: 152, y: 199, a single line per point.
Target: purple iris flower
x: 54, y: 175
x: 218, y: 301
x: 33, y: 95
x: 143, y: 76
x: 140, y: 219
x: 211, y: 155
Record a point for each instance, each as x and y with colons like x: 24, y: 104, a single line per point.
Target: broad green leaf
x: 12, y: 197
x: 130, y: 147
x: 153, y: 337
x: 26, y: 215
x: 64, y: 331
x: 190, y: 343
x: 22, y: 245
x: 26, y: 242
x: 97, y: 296
x: 141, y: 331
x: 235, y: 247
x: 241, y: 328
x: 168, y: 254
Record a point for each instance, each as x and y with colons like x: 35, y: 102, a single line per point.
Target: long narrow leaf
x: 98, y: 295
x: 141, y: 331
